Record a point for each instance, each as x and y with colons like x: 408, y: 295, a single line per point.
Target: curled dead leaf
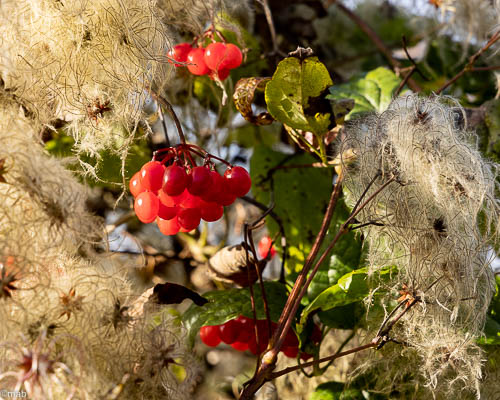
x: 244, y: 93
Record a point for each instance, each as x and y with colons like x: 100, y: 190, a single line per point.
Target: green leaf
x: 294, y: 94
x: 224, y: 305
x: 300, y: 195
x: 336, y: 391
x: 491, y: 332
x: 374, y: 92
x: 351, y: 288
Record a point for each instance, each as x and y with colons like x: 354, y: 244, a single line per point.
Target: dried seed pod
x: 230, y: 265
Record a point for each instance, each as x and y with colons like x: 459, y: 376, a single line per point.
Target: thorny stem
x: 468, y: 67
x: 372, y: 35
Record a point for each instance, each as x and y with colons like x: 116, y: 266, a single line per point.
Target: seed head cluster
x: 437, y: 221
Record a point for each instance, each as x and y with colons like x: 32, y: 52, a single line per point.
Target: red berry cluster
x: 217, y: 59
x: 178, y: 194
x: 240, y: 334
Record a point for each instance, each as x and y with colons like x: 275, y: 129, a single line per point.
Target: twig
x: 171, y: 111
x: 272, y: 29
x: 164, y: 125
x: 285, y: 371
x: 472, y: 60
x: 372, y: 35
x: 405, y: 48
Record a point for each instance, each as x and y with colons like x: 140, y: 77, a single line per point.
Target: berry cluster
x: 239, y: 333
x: 217, y: 59
x: 178, y: 194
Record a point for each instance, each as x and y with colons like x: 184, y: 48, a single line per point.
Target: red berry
x: 233, y: 57
x: 200, y: 181
x: 165, y: 212
x: 179, y: 53
x: 246, y: 330
x: 266, y: 246
x: 229, y: 331
x: 187, y: 200
x: 216, y: 186
x: 211, y: 212
x: 175, y: 180
x: 152, y: 175
x: 189, y: 218
x: 225, y: 197
x: 291, y: 339
x: 135, y: 184
x: 167, y: 200
x: 222, y: 74
x: 238, y: 180
x: 263, y: 338
x: 168, y: 227
x: 146, y: 207
x: 210, y: 335
x: 240, y: 346
x: 290, y: 351
x: 215, y: 54
x: 197, y: 63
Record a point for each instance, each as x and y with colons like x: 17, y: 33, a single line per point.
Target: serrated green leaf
x: 351, y: 288
x: 224, y: 305
x: 336, y: 391
x: 374, y: 92
x: 293, y: 91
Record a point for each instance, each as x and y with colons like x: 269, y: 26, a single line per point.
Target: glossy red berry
x: 168, y: 227
x: 234, y: 57
x: 211, y: 212
x: 187, y: 200
x: 238, y: 180
x: 146, y: 207
x: 167, y: 200
x: 166, y: 212
x: 196, y: 62
x: 240, y: 346
x: 290, y: 351
x: 152, y: 175
x: 291, y: 339
x: 189, y: 218
x: 179, y: 53
x: 221, y: 74
x: 210, y: 335
x: 135, y: 184
x: 265, y: 246
x: 200, y: 181
x: 246, y: 330
x: 216, y: 186
x: 229, y: 331
x: 175, y: 180
x: 215, y: 54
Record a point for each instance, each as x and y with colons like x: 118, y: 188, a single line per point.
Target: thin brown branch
x: 163, y: 102
x: 272, y: 29
x: 372, y: 35
x: 285, y: 371
x: 470, y: 63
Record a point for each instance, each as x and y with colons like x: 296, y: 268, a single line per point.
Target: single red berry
x: 211, y: 212
x: 179, y: 53
x: 246, y: 330
x: 225, y: 197
x: 189, y: 218
x: 229, y: 331
x: 240, y: 346
x: 197, y: 64
x: 290, y: 351
x: 221, y: 74
x: 210, y: 335
x: 165, y: 212
x: 234, y: 57
x: 135, y: 184
x: 167, y: 200
x: 168, y: 227
x: 152, y: 175
x: 305, y: 356
x: 200, y: 181
x: 266, y: 246
x: 216, y: 186
x: 175, y: 180
x: 215, y: 55
x: 291, y: 339
x: 238, y: 180
x: 258, y: 346
x: 146, y: 207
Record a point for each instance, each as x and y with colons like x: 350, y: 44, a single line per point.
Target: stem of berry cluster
x: 160, y: 99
